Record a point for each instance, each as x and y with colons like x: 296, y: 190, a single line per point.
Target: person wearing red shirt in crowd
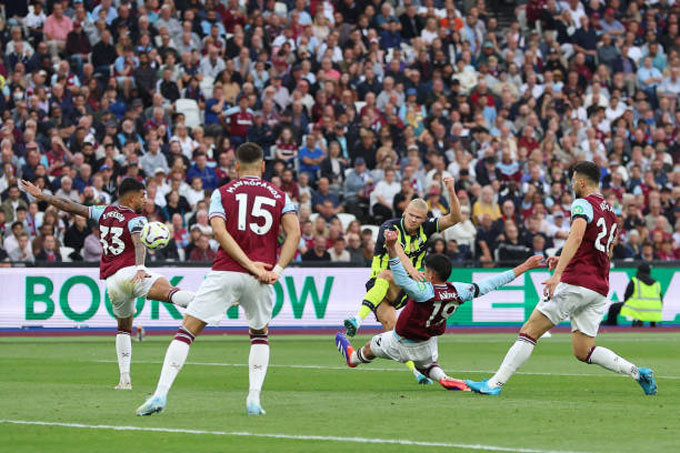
x: 527, y: 140
x: 237, y: 120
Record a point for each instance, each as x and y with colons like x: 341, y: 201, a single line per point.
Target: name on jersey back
x: 254, y: 183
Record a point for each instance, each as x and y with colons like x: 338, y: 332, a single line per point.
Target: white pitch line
x: 370, y: 368
x: 358, y: 440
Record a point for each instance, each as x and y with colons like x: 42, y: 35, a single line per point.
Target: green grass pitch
x: 555, y: 404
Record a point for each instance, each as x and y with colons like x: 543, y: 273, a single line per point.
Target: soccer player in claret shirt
x: 122, y: 261
x: 578, y: 289
x: 245, y: 216
x: 424, y: 318
x: 383, y: 296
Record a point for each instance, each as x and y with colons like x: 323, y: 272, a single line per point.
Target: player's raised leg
x: 124, y: 352
x: 163, y: 291
x: 519, y: 353
x: 371, y: 302
x: 175, y: 357
x: 586, y: 351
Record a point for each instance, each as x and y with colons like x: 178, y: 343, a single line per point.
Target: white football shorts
x: 222, y: 289
x: 389, y: 345
x: 123, y: 292
x: 583, y: 306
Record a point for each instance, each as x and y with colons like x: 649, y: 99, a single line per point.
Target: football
x: 155, y: 235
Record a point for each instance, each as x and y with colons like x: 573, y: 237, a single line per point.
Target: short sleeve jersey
x: 589, y: 267
x: 252, y: 209
x: 422, y: 320
x: 117, y: 224
x: 414, y: 245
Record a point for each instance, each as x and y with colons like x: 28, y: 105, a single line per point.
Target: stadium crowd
x: 359, y: 106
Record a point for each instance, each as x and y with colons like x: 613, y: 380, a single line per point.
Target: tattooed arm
x: 140, y: 257
x: 63, y: 204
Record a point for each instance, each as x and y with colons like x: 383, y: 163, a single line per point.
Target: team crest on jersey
x: 577, y: 209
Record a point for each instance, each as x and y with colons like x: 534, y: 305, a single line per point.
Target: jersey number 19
x: 443, y: 310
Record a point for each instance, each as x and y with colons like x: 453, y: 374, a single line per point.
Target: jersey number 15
x: 257, y: 212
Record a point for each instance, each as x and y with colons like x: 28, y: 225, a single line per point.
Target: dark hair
x: 129, y: 185
x: 440, y: 264
x: 588, y: 169
x: 249, y: 153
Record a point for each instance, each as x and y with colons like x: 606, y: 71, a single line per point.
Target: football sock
x: 174, y: 360
x: 358, y: 357
x: 373, y: 298
x: 180, y: 297
x: 515, y: 358
x: 436, y: 373
x: 610, y: 360
x: 124, y: 351
x: 257, y: 364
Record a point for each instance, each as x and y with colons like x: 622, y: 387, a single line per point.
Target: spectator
x: 202, y: 251
x: 206, y: 174
x: 338, y: 253
x: 382, y: 197
x: 22, y: 252
x: 323, y: 194
x: 511, y: 249
x: 49, y: 252
x: 317, y: 253
x: 76, y: 234
x: 92, y: 247
x: 12, y: 202
x: 486, y: 206
x: 642, y: 300
x: 310, y: 157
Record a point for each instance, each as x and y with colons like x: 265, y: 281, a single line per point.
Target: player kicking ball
x: 383, y: 296
x: 122, y: 261
x: 578, y: 289
x: 245, y: 216
x: 424, y: 318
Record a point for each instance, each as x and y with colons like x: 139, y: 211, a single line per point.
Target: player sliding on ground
x: 245, y: 216
x: 578, y: 289
x: 122, y: 261
x: 429, y: 305
x: 414, y: 229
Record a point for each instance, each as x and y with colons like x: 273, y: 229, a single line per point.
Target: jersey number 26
x: 599, y: 246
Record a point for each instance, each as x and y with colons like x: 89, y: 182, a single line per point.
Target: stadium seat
x: 207, y: 86
x: 65, y: 252
x: 313, y: 216
x: 551, y: 251
x: 346, y: 219
x: 358, y: 105
x: 374, y: 229
x: 192, y: 114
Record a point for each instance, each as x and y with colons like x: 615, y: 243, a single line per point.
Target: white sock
x: 180, y: 297
x: 436, y: 374
x: 174, y: 360
x: 358, y: 357
x: 257, y: 365
x: 515, y: 358
x: 124, y: 352
x: 608, y: 359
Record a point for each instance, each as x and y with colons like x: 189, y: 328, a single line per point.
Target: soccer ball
x: 155, y: 235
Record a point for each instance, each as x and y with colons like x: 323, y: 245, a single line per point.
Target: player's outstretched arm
x: 291, y: 226
x: 578, y: 229
x: 419, y: 291
x: 469, y: 291
x: 60, y: 203
x: 454, y: 216
x: 229, y: 245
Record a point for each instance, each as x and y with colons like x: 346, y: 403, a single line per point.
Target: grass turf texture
x: 71, y: 379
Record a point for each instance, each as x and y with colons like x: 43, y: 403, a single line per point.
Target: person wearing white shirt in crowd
x: 615, y: 109
x: 338, y: 252
x: 464, y: 232
x: 23, y: 251
x: 187, y: 143
x: 670, y: 85
x: 559, y: 230
x: 383, y: 195
x: 195, y: 192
